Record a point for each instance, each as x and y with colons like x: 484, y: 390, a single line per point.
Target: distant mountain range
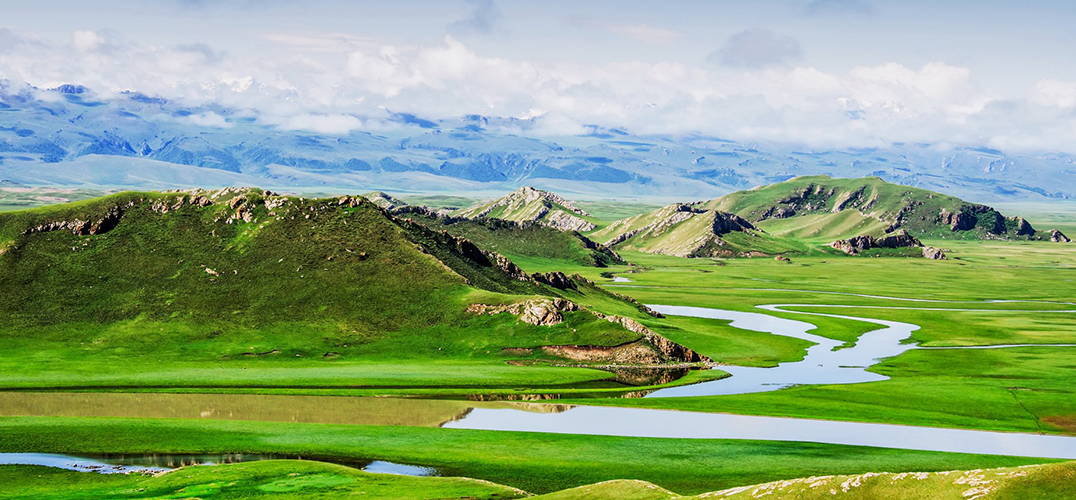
x: 70, y: 136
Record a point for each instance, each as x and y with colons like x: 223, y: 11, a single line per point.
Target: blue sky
x: 819, y: 72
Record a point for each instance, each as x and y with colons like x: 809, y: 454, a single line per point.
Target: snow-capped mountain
x: 70, y: 136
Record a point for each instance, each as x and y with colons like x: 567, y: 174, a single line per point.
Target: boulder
x: 555, y: 279
x: 933, y: 253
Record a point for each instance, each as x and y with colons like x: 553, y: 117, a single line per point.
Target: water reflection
x: 157, y: 463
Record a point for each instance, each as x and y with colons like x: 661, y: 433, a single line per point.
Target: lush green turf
x: 287, y: 479
x: 1019, y: 389
x: 276, y: 479
x: 534, y: 462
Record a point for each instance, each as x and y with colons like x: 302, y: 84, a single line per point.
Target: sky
x: 822, y: 73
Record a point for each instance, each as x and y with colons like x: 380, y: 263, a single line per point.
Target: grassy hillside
x: 524, y: 242
x: 691, y: 231
x: 527, y: 204
x: 296, y: 290
x: 823, y: 208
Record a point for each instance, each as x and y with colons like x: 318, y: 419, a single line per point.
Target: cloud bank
x: 340, y: 84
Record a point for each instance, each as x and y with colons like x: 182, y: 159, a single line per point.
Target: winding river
x: 823, y: 364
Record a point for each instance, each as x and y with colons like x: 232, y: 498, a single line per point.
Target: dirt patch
x: 1066, y: 423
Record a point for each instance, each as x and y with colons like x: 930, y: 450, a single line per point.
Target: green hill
x: 529, y: 205
x: 692, y: 231
x: 522, y: 243
x: 248, y: 276
x: 823, y: 208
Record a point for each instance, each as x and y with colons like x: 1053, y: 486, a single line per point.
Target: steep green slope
x: 823, y: 208
x: 527, y: 204
x: 522, y: 242
x: 692, y: 231
x: 245, y: 278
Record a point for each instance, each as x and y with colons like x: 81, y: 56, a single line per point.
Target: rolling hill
x: 524, y: 237
x: 852, y: 215
x: 529, y: 205
x: 248, y: 275
x: 823, y: 208
x: 684, y: 230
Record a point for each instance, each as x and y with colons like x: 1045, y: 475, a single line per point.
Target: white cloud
x: 1054, y: 92
x: 86, y: 41
x: 337, y: 89
x: 209, y: 119
x: 331, y: 124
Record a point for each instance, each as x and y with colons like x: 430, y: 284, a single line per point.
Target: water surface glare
x: 638, y: 422
x: 821, y: 365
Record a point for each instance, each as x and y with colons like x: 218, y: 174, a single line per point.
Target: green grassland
x: 287, y: 479
x: 538, y: 463
x: 1015, y: 389
x: 315, y: 295
x: 352, y: 302
x: 21, y: 198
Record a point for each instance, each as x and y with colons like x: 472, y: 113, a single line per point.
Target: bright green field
x: 1017, y: 389
x: 534, y: 462
x: 434, y: 352
x: 288, y: 479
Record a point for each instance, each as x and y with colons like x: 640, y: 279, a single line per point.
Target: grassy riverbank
x: 534, y: 462
x: 289, y: 479
x: 1012, y: 389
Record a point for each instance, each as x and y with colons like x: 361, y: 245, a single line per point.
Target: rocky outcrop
x: 94, y: 226
x: 385, y: 201
x: 958, y: 221
x: 679, y: 230
x: 667, y: 347
x: 1058, y: 237
x: 857, y: 244
x: 933, y: 253
x: 1023, y: 227
x: 528, y: 204
x: 541, y: 312
x: 564, y: 221
x: 555, y: 279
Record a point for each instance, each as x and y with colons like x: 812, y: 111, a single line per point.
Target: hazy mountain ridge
x: 135, y: 140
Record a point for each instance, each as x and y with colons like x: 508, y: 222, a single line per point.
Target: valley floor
x: 964, y: 301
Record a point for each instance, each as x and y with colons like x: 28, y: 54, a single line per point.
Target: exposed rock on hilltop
x: 527, y: 204
x: 1058, y: 237
x: 685, y: 230
x: 857, y: 244
x: 385, y: 201
x: 841, y: 208
x: 517, y: 239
